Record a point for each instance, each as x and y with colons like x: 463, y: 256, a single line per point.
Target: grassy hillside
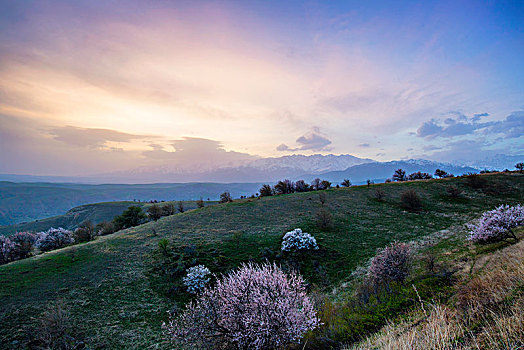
x: 23, y: 202
x: 115, y: 303
x: 96, y: 213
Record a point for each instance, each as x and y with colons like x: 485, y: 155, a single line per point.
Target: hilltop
x: 115, y: 302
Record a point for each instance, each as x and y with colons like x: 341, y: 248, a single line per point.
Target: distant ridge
x: 379, y: 172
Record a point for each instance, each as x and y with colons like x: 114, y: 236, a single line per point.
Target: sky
x: 90, y: 87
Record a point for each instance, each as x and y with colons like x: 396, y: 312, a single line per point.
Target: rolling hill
x: 23, y: 202
x: 114, y: 302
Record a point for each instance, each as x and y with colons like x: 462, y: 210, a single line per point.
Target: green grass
x: 114, y: 305
x: 96, y: 213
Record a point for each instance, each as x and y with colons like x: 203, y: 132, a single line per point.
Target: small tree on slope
x: 254, y: 307
x: 497, y: 224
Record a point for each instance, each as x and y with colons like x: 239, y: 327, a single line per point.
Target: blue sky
x: 89, y: 87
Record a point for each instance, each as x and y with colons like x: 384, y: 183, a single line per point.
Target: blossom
x: 497, y: 224
x: 196, y: 278
x: 254, y: 307
x: 391, y: 263
x: 298, y: 240
x: 54, y: 238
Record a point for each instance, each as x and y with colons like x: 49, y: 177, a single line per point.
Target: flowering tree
x: 254, y: 307
x: 297, y: 240
x: 391, y: 264
x: 24, y: 242
x: 54, y: 238
x: 6, y: 249
x: 497, y: 224
x: 196, y: 278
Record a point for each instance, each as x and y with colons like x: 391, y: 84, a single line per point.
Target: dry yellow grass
x: 491, y: 303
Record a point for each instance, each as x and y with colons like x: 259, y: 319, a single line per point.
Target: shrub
x: 323, y: 219
x: 497, y: 224
x: 391, y: 264
x: 181, y: 207
x: 168, y: 209
x: 399, y: 175
x: 154, y: 212
x: 196, y: 278
x: 410, y: 200
x: 419, y: 176
x: 200, y: 203
x: 324, y: 185
x: 285, y: 187
x: 380, y: 194
x: 315, y: 184
x: 6, y: 249
x: 440, y: 173
x: 346, y: 183
x: 301, y: 186
x: 266, y: 191
x: 476, y: 181
x: 105, y: 228
x: 23, y: 244
x: 132, y: 216
x: 56, y: 329
x: 254, y: 307
x: 225, y: 197
x: 297, y: 240
x: 54, y: 238
x: 322, y: 198
x: 454, y: 191
x: 85, y: 232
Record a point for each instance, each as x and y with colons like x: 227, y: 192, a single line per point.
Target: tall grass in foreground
x: 488, y: 314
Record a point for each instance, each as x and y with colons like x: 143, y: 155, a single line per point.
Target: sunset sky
x: 98, y: 86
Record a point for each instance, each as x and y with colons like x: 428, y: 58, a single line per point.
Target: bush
x: 168, y: 209
x: 200, y: 203
x: 476, y: 181
x: 297, y: 240
x: 380, y: 194
x: 181, y: 207
x: 23, y: 244
x: 399, y: 175
x: 324, y: 185
x: 154, y: 212
x: 6, y: 249
x: 254, y: 307
x: 391, y: 264
x: 454, y: 191
x: 225, y: 198
x: 323, y: 219
x: 497, y: 224
x: 441, y: 173
x: 410, y: 200
x: 196, y: 278
x: 301, y: 186
x: 85, y: 232
x: 54, y: 238
x: 284, y: 187
x: 419, y: 176
x: 105, y: 228
x: 132, y: 216
x: 266, y: 191
x: 346, y: 183
x: 56, y: 329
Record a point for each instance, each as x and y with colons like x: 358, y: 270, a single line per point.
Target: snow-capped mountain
x: 316, y: 163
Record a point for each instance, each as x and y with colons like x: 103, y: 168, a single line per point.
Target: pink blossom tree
x: 254, y: 307
x: 391, y: 264
x: 6, y: 249
x: 497, y: 224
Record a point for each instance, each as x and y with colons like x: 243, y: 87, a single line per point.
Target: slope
x: 105, y: 286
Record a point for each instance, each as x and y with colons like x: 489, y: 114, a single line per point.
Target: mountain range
x: 332, y: 167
